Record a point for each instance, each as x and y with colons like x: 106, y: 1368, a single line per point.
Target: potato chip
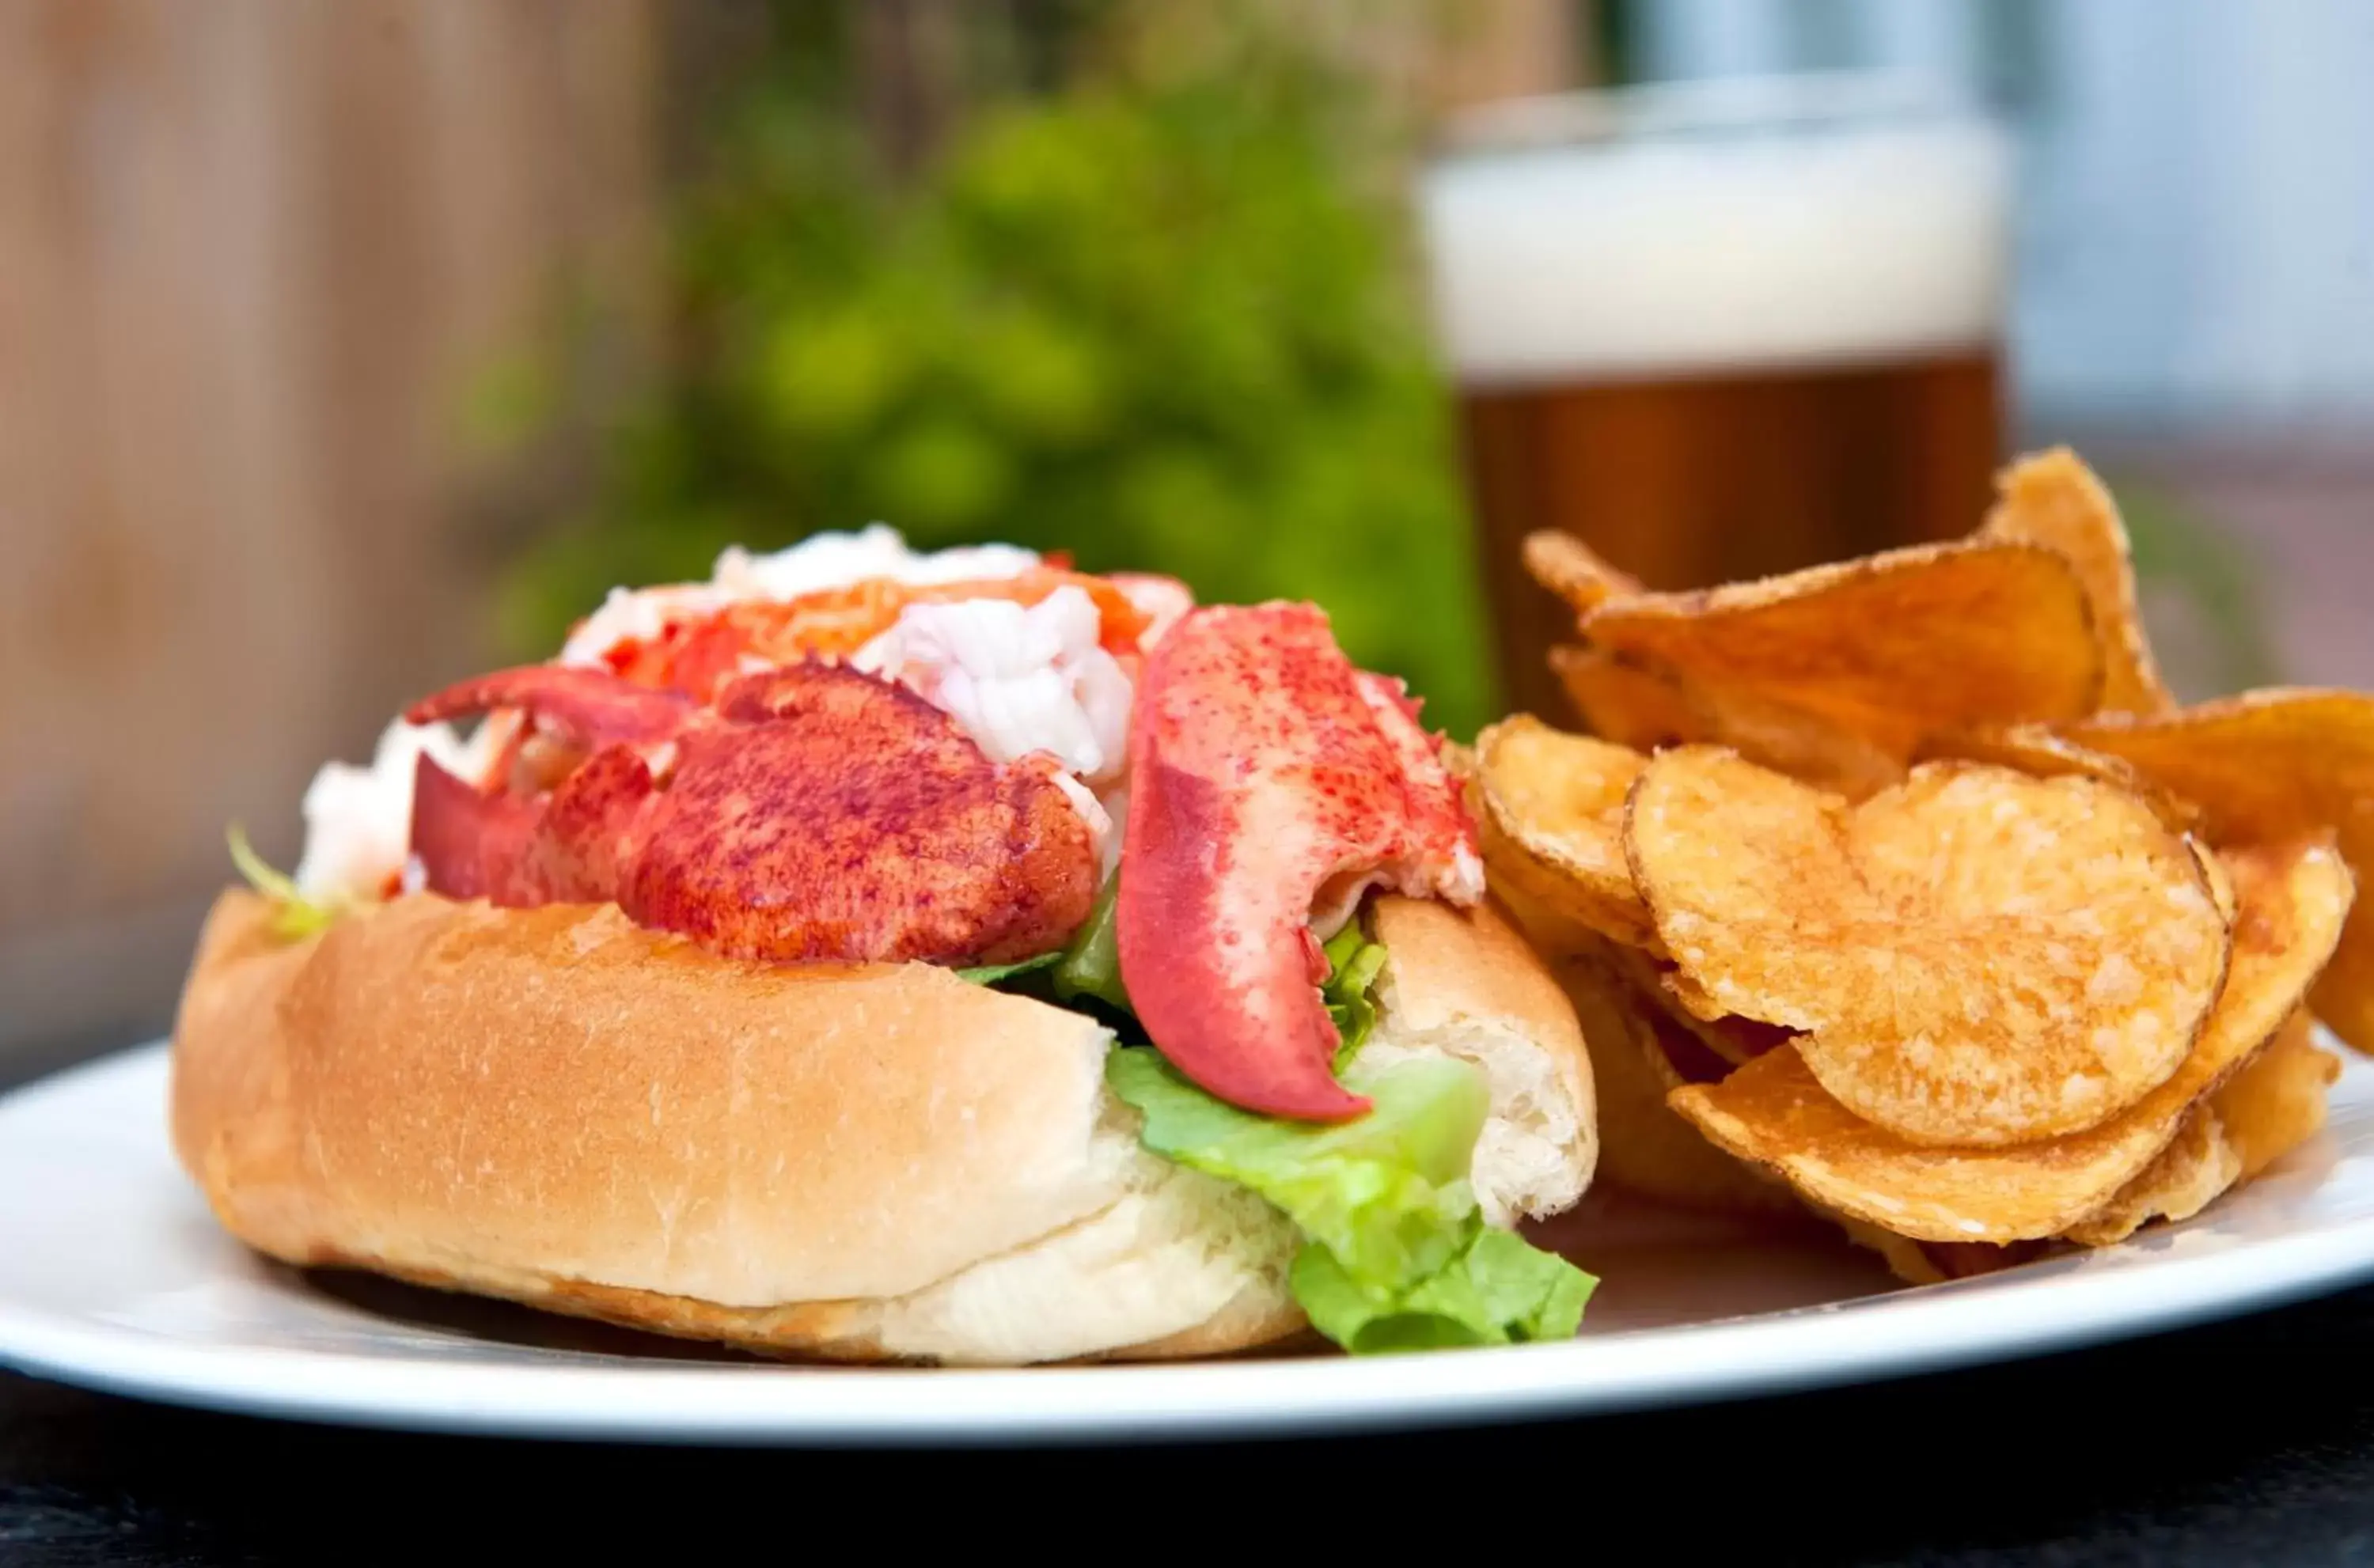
x: 1730, y: 1039
x: 1907, y: 1260
x: 1628, y: 701
x: 1678, y: 1054
x: 1775, y: 1113
x: 1967, y: 1260
x: 2053, y: 499
x: 2271, y: 1104
x: 1931, y: 638
x: 1644, y: 1147
x: 1929, y: 1262
x: 1560, y: 800
x: 1856, y: 762
x: 1622, y: 701
x: 2276, y: 1102
x: 2189, y: 1175
x: 1546, y: 926
x: 1569, y: 568
x: 1552, y: 824
x: 2265, y: 766
x: 2218, y: 873
x: 1976, y: 958
x: 2044, y: 754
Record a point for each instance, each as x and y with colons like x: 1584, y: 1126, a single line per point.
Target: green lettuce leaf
x: 1499, y: 1289
x: 1353, y: 965
x: 1396, y: 1254
x: 991, y: 973
x: 1354, y: 1021
x: 294, y: 916
x: 1090, y: 967
x: 1385, y: 1193
x: 1342, y: 948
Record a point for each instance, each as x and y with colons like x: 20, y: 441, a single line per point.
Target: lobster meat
x: 810, y: 812
x: 1271, y: 785
x: 699, y: 655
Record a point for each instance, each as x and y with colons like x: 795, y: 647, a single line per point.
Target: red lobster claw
x: 590, y: 707
x: 518, y: 851
x: 469, y: 844
x: 1268, y: 778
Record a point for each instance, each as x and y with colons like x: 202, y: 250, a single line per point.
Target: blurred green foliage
x: 1156, y: 311
x: 2201, y: 594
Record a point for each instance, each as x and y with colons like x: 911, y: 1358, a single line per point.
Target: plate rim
x: 1757, y: 1356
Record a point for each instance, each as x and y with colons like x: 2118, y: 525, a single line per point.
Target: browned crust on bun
x: 857, y: 1162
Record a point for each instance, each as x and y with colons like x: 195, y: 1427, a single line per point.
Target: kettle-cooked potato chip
x: 1639, y: 704
x: 2046, y: 754
x: 1546, y: 923
x: 1907, y: 1260
x: 2275, y: 1103
x: 1924, y: 1262
x: 1928, y: 1262
x: 1967, y: 1260
x: 1905, y: 878
x: 2266, y: 767
x: 1630, y: 702
x: 1775, y: 1113
x: 1623, y: 701
x: 1855, y: 761
x: 2053, y: 499
x: 1976, y: 958
x: 1552, y: 822
x: 2197, y: 1165
x: 1732, y: 1039
x: 1644, y: 1147
x: 1890, y: 647
x: 1573, y: 572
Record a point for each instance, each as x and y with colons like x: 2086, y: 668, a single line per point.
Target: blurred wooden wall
x: 251, y: 251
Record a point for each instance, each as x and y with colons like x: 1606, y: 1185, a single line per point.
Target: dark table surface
x: 2248, y: 1442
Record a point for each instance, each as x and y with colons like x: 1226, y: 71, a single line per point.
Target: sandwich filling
x: 1084, y: 788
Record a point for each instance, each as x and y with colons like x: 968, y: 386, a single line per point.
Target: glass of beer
x: 1719, y: 330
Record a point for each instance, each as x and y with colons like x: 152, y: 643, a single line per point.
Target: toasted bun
x: 860, y: 1162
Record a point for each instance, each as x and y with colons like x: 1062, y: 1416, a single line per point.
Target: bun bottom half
x: 852, y: 1163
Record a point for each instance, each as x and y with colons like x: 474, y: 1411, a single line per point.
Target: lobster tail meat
x: 1271, y: 785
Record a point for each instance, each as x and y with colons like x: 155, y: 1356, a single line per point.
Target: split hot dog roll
x: 764, y: 971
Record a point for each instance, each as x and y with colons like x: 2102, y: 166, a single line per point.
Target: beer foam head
x: 1717, y: 225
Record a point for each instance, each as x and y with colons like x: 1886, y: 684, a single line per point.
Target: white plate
x: 112, y: 1275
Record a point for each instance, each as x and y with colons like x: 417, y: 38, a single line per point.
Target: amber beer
x: 1718, y: 341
